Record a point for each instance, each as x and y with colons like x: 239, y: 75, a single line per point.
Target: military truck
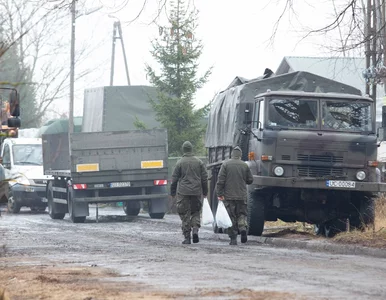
x: 109, y: 161
x: 311, y: 144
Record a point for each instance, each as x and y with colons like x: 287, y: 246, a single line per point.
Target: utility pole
x: 72, y: 66
x: 72, y: 76
x: 117, y: 28
x: 371, y: 48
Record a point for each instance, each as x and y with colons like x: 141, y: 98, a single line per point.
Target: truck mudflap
x: 317, y: 183
x: 120, y: 198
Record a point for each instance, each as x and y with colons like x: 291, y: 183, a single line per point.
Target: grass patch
x: 374, y: 236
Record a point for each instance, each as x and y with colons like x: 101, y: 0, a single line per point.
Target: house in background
x: 347, y: 70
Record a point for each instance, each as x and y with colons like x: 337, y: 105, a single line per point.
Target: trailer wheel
x: 132, y: 208
x: 52, y: 211
x: 256, y: 213
x: 71, y: 208
x: 157, y: 215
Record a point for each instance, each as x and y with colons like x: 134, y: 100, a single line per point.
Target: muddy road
x: 144, y: 258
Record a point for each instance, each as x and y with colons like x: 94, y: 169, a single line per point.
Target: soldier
x: 192, y: 179
x: 231, y: 188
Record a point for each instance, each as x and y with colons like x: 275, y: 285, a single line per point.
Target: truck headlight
x: 278, y: 171
x: 361, y: 175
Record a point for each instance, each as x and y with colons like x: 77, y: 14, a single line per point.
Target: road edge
x: 323, y: 247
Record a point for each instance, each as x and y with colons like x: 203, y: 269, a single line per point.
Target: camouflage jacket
x: 190, y: 175
x: 232, y: 180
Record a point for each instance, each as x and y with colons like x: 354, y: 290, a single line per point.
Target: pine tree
x: 177, y: 52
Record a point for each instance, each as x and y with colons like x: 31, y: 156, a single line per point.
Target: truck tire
x: 52, y: 206
x: 132, y: 208
x: 366, y: 211
x: 71, y: 209
x: 13, y: 206
x: 256, y: 213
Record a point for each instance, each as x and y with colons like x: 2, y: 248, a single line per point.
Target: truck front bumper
x: 29, y: 194
x: 315, y: 183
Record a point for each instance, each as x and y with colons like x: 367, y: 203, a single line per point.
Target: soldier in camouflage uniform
x: 192, y: 179
x: 231, y: 188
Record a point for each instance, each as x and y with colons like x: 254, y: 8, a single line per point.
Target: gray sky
x: 235, y: 35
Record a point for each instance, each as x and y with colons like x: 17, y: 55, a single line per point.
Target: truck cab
x: 314, y: 159
x: 22, y: 160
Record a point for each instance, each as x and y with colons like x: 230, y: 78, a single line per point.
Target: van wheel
x: 256, y: 213
x: 13, y: 206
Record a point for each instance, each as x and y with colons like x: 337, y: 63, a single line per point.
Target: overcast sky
x: 235, y: 35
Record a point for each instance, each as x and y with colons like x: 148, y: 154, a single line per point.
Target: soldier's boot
x: 244, y: 237
x: 195, y: 235
x: 233, y: 240
x: 187, y: 239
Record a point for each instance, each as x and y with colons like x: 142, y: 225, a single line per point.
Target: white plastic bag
x: 222, y: 217
x: 207, y: 214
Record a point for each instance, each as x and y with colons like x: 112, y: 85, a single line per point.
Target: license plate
x: 119, y: 184
x: 341, y: 184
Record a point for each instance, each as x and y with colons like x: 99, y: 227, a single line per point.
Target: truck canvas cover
x: 226, y: 118
x: 117, y: 108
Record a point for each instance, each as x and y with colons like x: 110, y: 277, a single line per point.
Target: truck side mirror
x: 14, y: 101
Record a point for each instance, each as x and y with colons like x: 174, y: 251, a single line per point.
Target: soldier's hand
x: 221, y: 198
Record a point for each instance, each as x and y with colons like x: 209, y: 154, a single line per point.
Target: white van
x: 23, y: 166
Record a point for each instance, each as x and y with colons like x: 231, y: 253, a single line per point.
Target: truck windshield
x: 293, y: 113
x: 27, y: 155
x: 346, y: 116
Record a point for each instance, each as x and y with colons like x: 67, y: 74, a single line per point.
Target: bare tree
x: 43, y: 50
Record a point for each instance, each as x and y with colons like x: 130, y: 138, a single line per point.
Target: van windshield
x: 27, y: 155
x: 347, y: 116
x: 293, y: 113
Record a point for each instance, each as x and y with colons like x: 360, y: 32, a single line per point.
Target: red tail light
x: 160, y: 182
x: 79, y: 186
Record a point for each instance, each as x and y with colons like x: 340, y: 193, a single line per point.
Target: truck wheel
x: 52, y: 205
x: 256, y: 213
x: 13, y: 206
x: 157, y: 215
x: 132, y: 208
x: 71, y: 209
x: 366, y: 212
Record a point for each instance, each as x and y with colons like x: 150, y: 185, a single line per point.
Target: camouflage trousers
x: 237, y: 211
x: 189, y: 209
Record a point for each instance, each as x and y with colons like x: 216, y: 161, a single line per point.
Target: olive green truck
x: 311, y: 144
